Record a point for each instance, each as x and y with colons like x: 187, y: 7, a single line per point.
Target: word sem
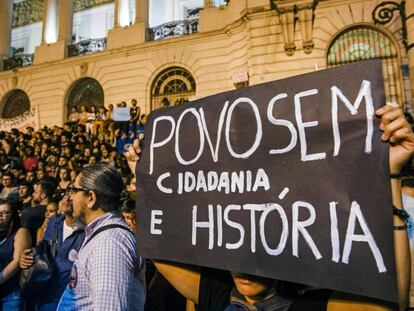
x: 297, y: 133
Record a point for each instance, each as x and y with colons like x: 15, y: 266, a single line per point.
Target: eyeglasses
x: 4, y: 214
x: 72, y: 190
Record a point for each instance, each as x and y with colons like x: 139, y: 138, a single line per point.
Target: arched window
x: 86, y: 91
x: 174, y: 84
x: 365, y: 42
x: 14, y: 104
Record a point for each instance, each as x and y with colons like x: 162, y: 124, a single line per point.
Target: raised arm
x: 398, y: 132
x: 184, y: 279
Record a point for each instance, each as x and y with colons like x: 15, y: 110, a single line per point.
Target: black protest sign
x: 287, y: 179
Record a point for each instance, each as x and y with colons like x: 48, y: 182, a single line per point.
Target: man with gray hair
x: 107, y: 274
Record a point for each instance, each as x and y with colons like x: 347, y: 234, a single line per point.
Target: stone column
x: 65, y: 21
x: 305, y: 15
x: 50, y: 22
x: 57, y: 30
x: 116, y: 13
x: 409, y: 12
x: 141, y: 11
x: 124, y: 34
x: 6, y: 13
x: 208, y: 3
x: 287, y: 19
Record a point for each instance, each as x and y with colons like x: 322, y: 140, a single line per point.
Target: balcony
x: 18, y: 60
x: 176, y: 28
x: 87, y: 46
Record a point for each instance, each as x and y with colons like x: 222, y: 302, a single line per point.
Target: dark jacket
x: 63, y: 265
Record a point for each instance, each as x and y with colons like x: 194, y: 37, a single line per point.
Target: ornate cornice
x: 31, y: 11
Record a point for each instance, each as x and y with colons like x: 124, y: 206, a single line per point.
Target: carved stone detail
x: 287, y: 19
x: 84, y: 69
x: 291, y: 11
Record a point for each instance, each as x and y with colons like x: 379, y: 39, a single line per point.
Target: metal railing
x: 18, y: 60
x: 87, y: 46
x: 174, y: 29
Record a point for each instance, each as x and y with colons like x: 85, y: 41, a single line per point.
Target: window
x: 365, y: 42
x: 86, y: 91
x: 14, y: 104
x: 174, y: 84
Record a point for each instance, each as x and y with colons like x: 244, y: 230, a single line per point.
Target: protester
x: 51, y: 211
x: 68, y: 234
x: 128, y: 213
x: 33, y: 217
x: 25, y: 191
x: 216, y: 290
x: 9, y: 191
x: 13, y: 240
x: 107, y: 274
x: 64, y: 177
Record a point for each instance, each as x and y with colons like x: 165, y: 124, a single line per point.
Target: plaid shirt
x: 106, y: 274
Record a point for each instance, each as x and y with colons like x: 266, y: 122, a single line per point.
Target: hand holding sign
x: 132, y: 155
x: 398, y: 132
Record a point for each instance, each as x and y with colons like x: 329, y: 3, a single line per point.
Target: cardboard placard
x: 287, y: 179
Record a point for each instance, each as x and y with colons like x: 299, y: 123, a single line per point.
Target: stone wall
x: 252, y: 43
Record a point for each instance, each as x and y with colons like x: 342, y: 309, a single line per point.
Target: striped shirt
x: 106, y: 273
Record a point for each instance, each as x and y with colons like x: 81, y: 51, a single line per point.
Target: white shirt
x: 67, y: 230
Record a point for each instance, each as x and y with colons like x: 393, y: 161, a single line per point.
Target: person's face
x: 51, y: 210
x: 130, y: 220
x: 30, y: 176
x: 63, y: 139
x: 92, y: 160
x: 38, y: 194
x: 254, y: 287
x: 87, y: 152
x: 23, y: 192
x: 83, y: 108
x: 105, y: 153
x: 79, y: 199
x: 144, y: 120
x: 65, y: 205
x: 40, y: 175
x: 62, y: 162
x: 52, y: 160
x: 15, y: 172
x: 6, y: 181
x: 66, y: 151
x: 51, y: 170
x: 5, y: 215
x: 132, y: 185
x: 64, y: 175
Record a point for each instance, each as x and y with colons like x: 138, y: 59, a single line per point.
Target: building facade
x: 217, y: 47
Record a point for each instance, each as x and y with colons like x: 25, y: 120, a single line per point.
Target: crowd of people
x: 74, y: 188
